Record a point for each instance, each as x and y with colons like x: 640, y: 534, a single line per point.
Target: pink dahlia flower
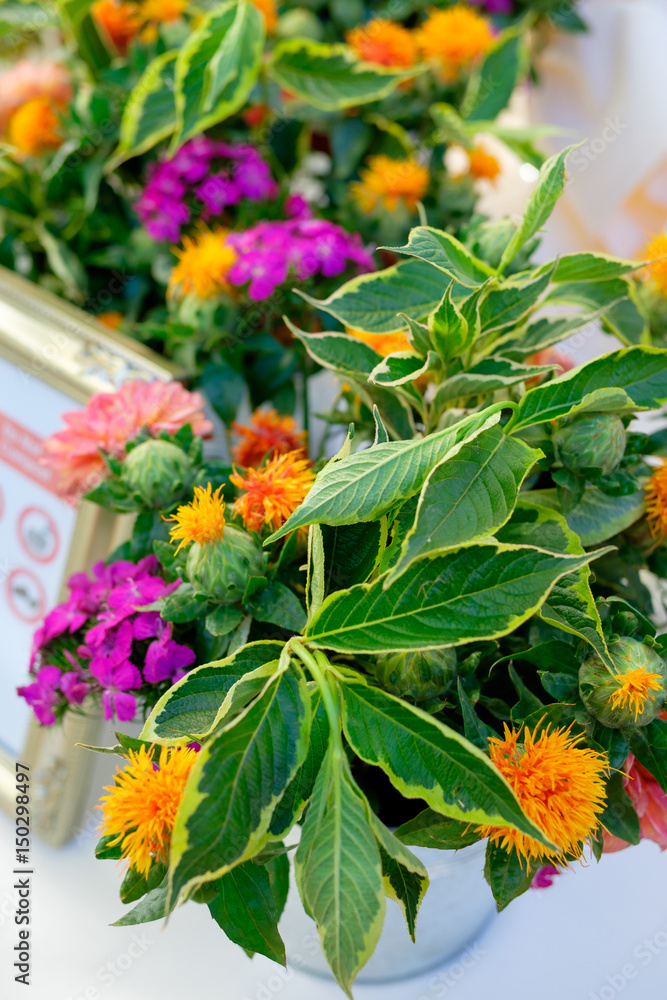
x: 109, y: 421
x: 650, y: 802
x: 26, y: 80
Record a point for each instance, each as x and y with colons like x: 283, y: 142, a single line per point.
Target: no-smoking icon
x: 25, y: 595
x: 38, y: 534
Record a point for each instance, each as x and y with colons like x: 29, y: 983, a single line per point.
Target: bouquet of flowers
x: 414, y: 645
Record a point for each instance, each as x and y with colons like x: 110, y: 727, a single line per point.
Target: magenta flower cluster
x: 101, y: 637
x: 495, y: 6
x: 205, y: 176
x: 301, y: 246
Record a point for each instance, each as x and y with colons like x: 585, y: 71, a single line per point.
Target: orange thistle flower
x: 383, y: 42
x: 455, y: 38
x: 656, y: 502
x: 140, y: 809
x: 634, y: 687
x: 111, y: 319
x: 33, y: 128
x: 268, y: 9
x: 202, y: 520
x: 383, y: 343
x: 559, y: 785
x: 388, y: 182
x: 266, y: 436
x: 483, y: 166
x: 274, y: 492
x: 120, y: 22
x: 162, y: 10
x: 657, y: 273
x: 203, y: 264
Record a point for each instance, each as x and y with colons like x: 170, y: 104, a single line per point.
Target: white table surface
x: 599, y: 932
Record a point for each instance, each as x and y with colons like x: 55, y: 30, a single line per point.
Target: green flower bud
x: 591, y: 441
x: 633, y: 694
x: 159, y: 472
x: 222, y: 569
x: 422, y: 676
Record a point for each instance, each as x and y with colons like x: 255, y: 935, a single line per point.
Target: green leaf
x: 591, y: 267
x: 298, y: 792
x: 633, y: 378
x: 446, y: 253
x: 237, y: 780
x: 424, y: 759
x: 278, y: 605
x: 150, y: 113
x: 508, y: 876
x: 372, y: 302
x: 570, y: 605
x: 223, y: 620
x: 405, y: 878
x: 183, y: 605
x: 351, y: 552
x: 487, y: 376
x: 105, y: 850
x: 135, y: 885
x: 528, y: 703
x: 399, y: 368
x: 510, y: 302
x: 363, y: 486
x: 90, y: 46
x: 345, y: 355
x: 473, y: 728
x: 190, y: 707
x: 330, y: 77
x: 541, y: 201
x: 432, y: 829
x: 547, y: 331
x: 597, y: 516
x: 649, y: 745
x: 153, y: 906
x: 338, y: 870
x: 489, y: 90
x: 449, y: 332
x: 620, y: 816
x: 217, y: 67
x: 474, y: 592
x: 244, y: 907
x: 468, y: 496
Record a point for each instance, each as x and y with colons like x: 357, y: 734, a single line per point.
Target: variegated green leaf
x: 150, y: 113
x: 446, y: 253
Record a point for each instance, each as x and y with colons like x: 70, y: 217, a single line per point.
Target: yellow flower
x: 483, y: 164
x: 560, y: 787
x: 268, y: 9
x: 383, y: 42
x: 33, y: 128
x: 389, y: 183
x: 162, y: 10
x: 656, y: 502
x: 455, y: 38
x: 203, y: 264
x: 633, y: 689
x: 202, y: 520
x: 140, y: 809
x: 273, y: 492
x: 657, y: 273
x: 383, y: 343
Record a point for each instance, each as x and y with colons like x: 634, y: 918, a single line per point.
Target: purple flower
x: 116, y: 679
x: 213, y: 174
x: 544, y: 877
x: 42, y: 694
x: 495, y: 6
x: 166, y: 659
x: 74, y: 687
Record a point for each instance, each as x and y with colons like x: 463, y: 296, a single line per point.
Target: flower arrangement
x: 437, y: 637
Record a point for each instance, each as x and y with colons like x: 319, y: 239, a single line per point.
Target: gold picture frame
x: 47, y: 342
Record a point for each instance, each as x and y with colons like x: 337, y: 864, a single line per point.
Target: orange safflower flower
x: 383, y: 343
x: 455, y: 38
x: 202, y: 520
x: 272, y: 493
x: 203, y: 263
x: 388, y: 183
x: 656, y: 502
x: 560, y: 787
x: 383, y: 42
x: 657, y: 273
x: 267, y: 435
x: 120, y: 22
x: 34, y: 127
